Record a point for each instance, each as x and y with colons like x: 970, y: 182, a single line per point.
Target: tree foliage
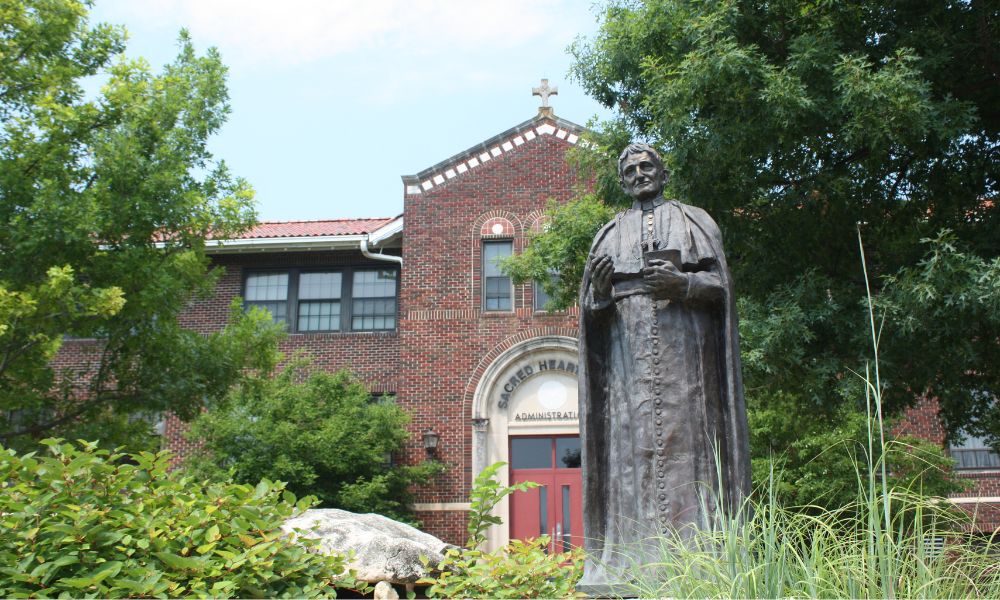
x: 792, y: 123
x: 106, y: 199
x: 322, y: 433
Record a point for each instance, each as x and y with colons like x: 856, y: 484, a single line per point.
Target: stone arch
x: 492, y: 424
x: 517, y: 339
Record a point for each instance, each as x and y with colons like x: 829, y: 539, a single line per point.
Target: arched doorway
x: 525, y: 407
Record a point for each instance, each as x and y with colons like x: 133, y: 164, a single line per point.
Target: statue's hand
x: 665, y: 279
x: 601, y: 268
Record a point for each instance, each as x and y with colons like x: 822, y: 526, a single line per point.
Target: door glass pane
x: 543, y: 510
x: 531, y: 453
x: 566, y: 520
x: 568, y: 453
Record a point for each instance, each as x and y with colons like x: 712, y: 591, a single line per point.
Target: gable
x: 509, y: 141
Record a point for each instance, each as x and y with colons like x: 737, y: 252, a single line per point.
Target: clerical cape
x: 662, y: 414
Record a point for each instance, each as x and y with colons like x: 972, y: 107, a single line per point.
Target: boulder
x: 385, y: 591
x: 384, y: 550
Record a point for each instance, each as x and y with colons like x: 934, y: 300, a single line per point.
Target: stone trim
x: 440, y: 506
x: 543, y: 336
x: 975, y: 500
x: 473, y: 158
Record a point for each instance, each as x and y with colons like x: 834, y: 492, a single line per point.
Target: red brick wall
x: 444, y: 332
x: 372, y: 356
x: 922, y: 421
x: 447, y: 525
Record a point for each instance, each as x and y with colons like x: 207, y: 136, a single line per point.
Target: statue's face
x: 642, y: 177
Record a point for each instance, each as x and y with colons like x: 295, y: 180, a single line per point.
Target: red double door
x: 554, y: 507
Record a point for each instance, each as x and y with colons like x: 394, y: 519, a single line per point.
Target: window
x: 541, y: 297
x: 497, y: 289
x: 157, y: 421
x: 374, y: 296
x: 974, y: 453
x: 348, y: 299
x: 319, y: 301
x: 270, y: 291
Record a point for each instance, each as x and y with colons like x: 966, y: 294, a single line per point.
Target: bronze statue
x: 661, y: 393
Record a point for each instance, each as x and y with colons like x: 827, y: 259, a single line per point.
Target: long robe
x: 661, y: 395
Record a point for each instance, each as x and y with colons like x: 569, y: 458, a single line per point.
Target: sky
x: 334, y: 100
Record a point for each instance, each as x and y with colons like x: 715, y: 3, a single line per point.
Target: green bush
x: 89, y: 522
x: 522, y: 569
x: 320, y: 432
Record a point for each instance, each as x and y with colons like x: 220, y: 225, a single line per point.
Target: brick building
x: 415, y: 306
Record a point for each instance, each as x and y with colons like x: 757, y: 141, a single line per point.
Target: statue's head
x: 641, y: 172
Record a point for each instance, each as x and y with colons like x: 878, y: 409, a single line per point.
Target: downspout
x: 384, y: 257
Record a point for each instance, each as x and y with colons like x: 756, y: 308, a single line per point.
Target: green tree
x: 322, y: 433
x: 106, y: 199
x: 792, y: 122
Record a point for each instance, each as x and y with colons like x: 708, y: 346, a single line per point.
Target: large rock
x: 384, y: 550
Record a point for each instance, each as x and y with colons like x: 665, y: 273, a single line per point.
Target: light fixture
x: 431, y: 439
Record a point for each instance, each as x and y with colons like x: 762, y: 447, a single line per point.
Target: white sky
x: 334, y: 100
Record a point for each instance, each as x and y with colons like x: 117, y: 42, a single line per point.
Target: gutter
x: 366, y: 242
x: 386, y: 257
x: 385, y: 232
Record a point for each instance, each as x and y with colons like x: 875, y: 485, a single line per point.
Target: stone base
x: 606, y: 590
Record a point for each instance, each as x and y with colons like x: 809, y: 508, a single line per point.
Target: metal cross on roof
x: 544, y: 91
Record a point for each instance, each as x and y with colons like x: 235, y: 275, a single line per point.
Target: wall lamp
x: 431, y: 439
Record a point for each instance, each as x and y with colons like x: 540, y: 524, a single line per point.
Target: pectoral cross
x: 545, y: 91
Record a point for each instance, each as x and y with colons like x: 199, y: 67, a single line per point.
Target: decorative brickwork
x: 498, y: 227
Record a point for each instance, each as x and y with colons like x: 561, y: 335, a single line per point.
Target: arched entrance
x: 524, y: 413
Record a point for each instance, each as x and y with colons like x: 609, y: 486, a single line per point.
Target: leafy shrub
x: 320, y: 432
x: 823, y: 454
x: 89, y: 522
x: 522, y: 569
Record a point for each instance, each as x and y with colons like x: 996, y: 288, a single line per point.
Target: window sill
x: 378, y: 332
x: 975, y: 472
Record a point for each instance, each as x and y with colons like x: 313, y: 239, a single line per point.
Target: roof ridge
x: 325, y: 220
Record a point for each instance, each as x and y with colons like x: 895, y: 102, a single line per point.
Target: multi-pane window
x: 270, y: 291
x: 974, y: 453
x: 319, y: 301
x: 374, y: 297
x: 497, y: 288
x: 345, y: 299
x: 541, y: 297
